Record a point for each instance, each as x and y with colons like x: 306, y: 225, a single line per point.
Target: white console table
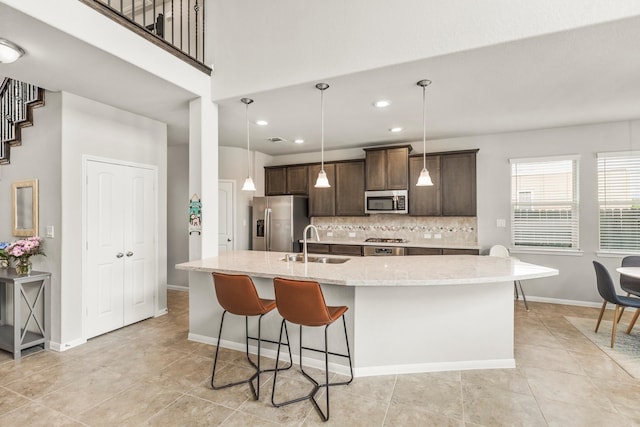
x: 35, y: 290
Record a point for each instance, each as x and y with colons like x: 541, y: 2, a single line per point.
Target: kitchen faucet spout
x: 304, y: 244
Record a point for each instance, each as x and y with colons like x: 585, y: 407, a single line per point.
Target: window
x: 544, y: 203
x: 619, y: 201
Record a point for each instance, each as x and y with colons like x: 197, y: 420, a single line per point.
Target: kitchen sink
x: 316, y: 259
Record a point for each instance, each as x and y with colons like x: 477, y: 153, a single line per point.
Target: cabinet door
x: 397, y: 168
x: 275, y: 181
x: 458, y: 172
x: 350, y: 188
x: 317, y: 248
x: 322, y: 201
x: 423, y: 251
x: 460, y: 252
x: 297, y: 180
x: 424, y: 201
x: 353, y: 250
x: 376, y: 170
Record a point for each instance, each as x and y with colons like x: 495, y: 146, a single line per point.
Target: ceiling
x: 587, y: 75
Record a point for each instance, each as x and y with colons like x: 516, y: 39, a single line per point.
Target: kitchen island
x: 406, y: 314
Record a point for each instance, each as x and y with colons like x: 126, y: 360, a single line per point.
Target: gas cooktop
x: 383, y: 240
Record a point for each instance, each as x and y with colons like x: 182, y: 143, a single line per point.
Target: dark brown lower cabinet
x: 423, y: 251
x: 317, y: 248
x: 352, y: 250
x: 460, y: 252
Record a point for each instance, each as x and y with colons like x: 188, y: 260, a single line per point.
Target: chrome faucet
x: 304, y: 245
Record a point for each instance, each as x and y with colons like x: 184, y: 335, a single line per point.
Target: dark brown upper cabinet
x: 281, y: 180
x: 424, y: 201
x: 350, y: 188
x: 458, y: 179
x: 322, y: 201
x: 275, y: 181
x: 387, y: 168
x: 297, y: 180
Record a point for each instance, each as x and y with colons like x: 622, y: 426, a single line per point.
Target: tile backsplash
x: 451, y: 230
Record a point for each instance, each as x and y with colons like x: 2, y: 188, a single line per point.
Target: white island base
x: 401, y: 318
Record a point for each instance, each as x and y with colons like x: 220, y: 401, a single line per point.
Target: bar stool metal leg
x: 255, y: 391
x: 316, y: 386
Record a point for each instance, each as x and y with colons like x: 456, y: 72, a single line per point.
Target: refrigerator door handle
x: 267, y: 229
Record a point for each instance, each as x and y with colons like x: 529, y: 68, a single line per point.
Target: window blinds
x: 544, y: 203
x: 619, y: 201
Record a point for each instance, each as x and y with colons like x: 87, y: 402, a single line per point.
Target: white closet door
x: 139, y: 245
x: 121, y: 220
x: 105, y: 242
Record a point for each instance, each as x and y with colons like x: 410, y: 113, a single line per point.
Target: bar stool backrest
x: 237, y: 294
x: 301, y: 302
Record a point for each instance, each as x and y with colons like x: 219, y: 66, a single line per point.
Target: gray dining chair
x: 630, y: 285
x: 607, y: 291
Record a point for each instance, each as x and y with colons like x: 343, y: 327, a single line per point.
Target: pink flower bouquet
x: 24, y: 249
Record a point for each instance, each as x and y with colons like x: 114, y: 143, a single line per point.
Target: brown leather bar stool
x: 237, y: 295
x: 302, y: 303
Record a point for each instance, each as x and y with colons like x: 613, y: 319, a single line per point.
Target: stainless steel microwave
x: 392, y: 201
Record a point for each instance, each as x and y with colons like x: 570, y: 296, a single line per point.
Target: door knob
x: 129, y: 253
x: 228, y: 240
x: 119, y: 255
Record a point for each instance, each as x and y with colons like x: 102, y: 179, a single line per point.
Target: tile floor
x: 149, y: 374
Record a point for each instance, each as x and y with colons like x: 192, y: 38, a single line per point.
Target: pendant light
x: 424, y: 180
x: 248, y: 183
x: 322, y: 181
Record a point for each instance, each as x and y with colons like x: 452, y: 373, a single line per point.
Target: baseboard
x: 569, y: 302
x: 416, y: 368
x: 177, y: 288
x: 56, y: 346
x: 271, y: 354
x: 161, y: 312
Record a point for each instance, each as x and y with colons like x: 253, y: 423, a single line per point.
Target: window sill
x: 616, y: 254
x: 560, y: 252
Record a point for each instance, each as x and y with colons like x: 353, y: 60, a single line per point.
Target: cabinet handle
x: 129, y: 253
x: 119, y: 255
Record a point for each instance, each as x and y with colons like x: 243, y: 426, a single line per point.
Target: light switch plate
x: 437, y: 236
x: 50, y: 232
x: 329, y: 233
x: 352, y: 234
x: 501, y: 223
x: 427, y: 235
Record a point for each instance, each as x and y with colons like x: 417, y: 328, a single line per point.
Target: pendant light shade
x: 248, y: 183
x: 424, y: 180
x: 322, y: 181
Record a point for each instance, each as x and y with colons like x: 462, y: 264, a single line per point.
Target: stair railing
x: 17, y: 99
x: 176, y: 23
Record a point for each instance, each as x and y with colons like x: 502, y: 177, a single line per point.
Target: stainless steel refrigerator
x: 278, y: 223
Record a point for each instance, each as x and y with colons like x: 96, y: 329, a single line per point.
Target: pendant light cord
x: 322, y: 128
x: 248, y: 150
x: 424, y: 127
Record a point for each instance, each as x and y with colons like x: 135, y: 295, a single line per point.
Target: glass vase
x: 4, y: 264
x: 23, y: 267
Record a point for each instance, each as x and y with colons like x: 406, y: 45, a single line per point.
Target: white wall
x: 177, y: 213
x: 233, y: 166
x: 39, y: 157
x: 287, y: 42
x: 576, y: 281
x: 91, y: 128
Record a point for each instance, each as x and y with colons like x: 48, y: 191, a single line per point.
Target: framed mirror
x: 24, y: 208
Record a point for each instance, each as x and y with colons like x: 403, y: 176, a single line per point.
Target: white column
x: 203, y: 175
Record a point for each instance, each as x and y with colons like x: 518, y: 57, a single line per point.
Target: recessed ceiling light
x: 395, y: 129
x: 262, y: 122
x: 382, y: 103
x: 298, y: 141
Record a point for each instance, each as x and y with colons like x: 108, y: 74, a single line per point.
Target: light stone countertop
x: 427, y: 270
x: 410, y: 244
